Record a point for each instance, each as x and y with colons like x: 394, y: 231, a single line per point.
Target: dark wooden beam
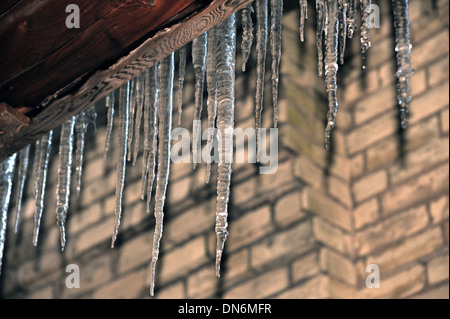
x: 89, y: 88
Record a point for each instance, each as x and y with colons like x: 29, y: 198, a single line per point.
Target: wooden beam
x: 86, y: 90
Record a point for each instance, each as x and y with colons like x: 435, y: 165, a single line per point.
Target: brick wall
x: 379, y: 196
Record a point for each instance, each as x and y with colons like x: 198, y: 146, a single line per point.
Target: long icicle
x: 276, y: 16
x: 261, y: 52
x: 320, y: 13
x: 211, y: 87
x: 150, y: 118
x: 124, y: 108
x: 134, y: 87
x: 365, y: 35
x: 403, y: 49
x: 6, y: 180
x: 64, y: 174
x: 343, y: 9
x: 247, y: 34
x: 110, y: 105
x: 140, y: 82
x: 303, y: 17
x: 199, y: 50
x: 351, y: 19
x: 80, y: 128
x: 24, y: 155
x: 226, y: 52
x: 165, y: 127
x: 41, y: 180
x: 181, y: 74
x: 331, y: 66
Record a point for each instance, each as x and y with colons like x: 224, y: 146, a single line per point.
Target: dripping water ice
x: 80, y: 129
x: 303, y: 17
x: 181, y: 74
x: 139, y: 104
x: 276, y: 9
x: 24, y: 155
x: 110, y: 118
x: 247, y: 34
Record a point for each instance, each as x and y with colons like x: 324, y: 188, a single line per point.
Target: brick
x: 440, y: 292
x: 43, y: 293
x: 370, y: 185
x: 437, y: 269
x: 340, y: 290
x: 390, y: 230
x: 304, y: 267
x: 389, y: 150
x: 181, y: 260
x: 326, y: 208
x: 418, y: 83
x: 80, y: 220
x: 135, y: 253
x: 98, y: 189
x: 430, y: 49
x: 244, y: 192
x: 445, y: 120
x: 435, y: 152
x: 340, y: 191
x: 236, y: 266
x: 429, y: 103
x: 379, y: 128
x: 132, y: 192
x: 93, y: 169
x: 356, y: 166
x: 249, y: 228
x: 127, y: 287
x: 288, y: 209
x: 438, y: 71
x: 416, y: 190
x: 179, y: 190
x: 410, y: 249
x: 366, y: 213
x: 357, y: 89
x: 202, y: 283
x: 174, y: 291
x: 387, y: 73
x: 95, y: 235
x: 332, y: 236
x: 439, y: 210
x: 384, y: 99
x: 337, y: 266
x: 287, y: 244
x: 262, y: 286
x: 309, y: 172
x: 400, y: 285
x: 315, y: 288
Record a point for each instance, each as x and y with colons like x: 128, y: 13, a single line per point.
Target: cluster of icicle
x: 149, y: 98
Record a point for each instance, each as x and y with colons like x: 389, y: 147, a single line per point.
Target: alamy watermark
x: 373, y: 279
x: 73, y: 279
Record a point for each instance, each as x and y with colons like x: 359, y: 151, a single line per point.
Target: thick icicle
x: 303, y: 17
x: 247, y: 34
x: 226, y: 51
x: 365, y: 35
x: 165, y: 127
x: 150, y: 120
x: 64, y: 174
x: 261, y: 51
x: 211, y: 87
x: 181, y: 74
x: 331, y: 66
x: 124, y: 109
x: 320, y: 13
x: 403, y: 49
x: 41, y: 179
x: 343, y: 9
x: 80, y: 128
x: 139, y: 108
x: 199, y: 50
x: 6, y: 180
x: 351, y: 18
x: 24, y: 155
x: 276, y: 9
x: 110, y: 105
x: 134, y: 87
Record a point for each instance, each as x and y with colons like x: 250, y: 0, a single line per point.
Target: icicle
x: 37, y: 155
x: 139, y: 107
x: 91, y: 116
x: 403, y: 49
x: 303, y: 17
x: 276, y: 9
x: 165, y: 126
x: 320, y: 12
x: 80, y: 128
x: 6, y: 180
x: 331, y: 66
x: 150, y: 120
x: 199, y: 50
x: 351, y: 19
x: 110, y: 105
x: 211, y: 86
x: 247, y: 34
x: 23, y: 168
x: 226, y: 51
x: 133, y: 99
x: 124, y: 109
x: 261, y: 51
x: 343, y: 9
x: 64, y: 174
x: 41, y: 179
x: 365, y: 36
x: 181, y: 74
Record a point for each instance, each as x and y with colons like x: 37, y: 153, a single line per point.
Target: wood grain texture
x: 64, y: 103
x: 5, y: 5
